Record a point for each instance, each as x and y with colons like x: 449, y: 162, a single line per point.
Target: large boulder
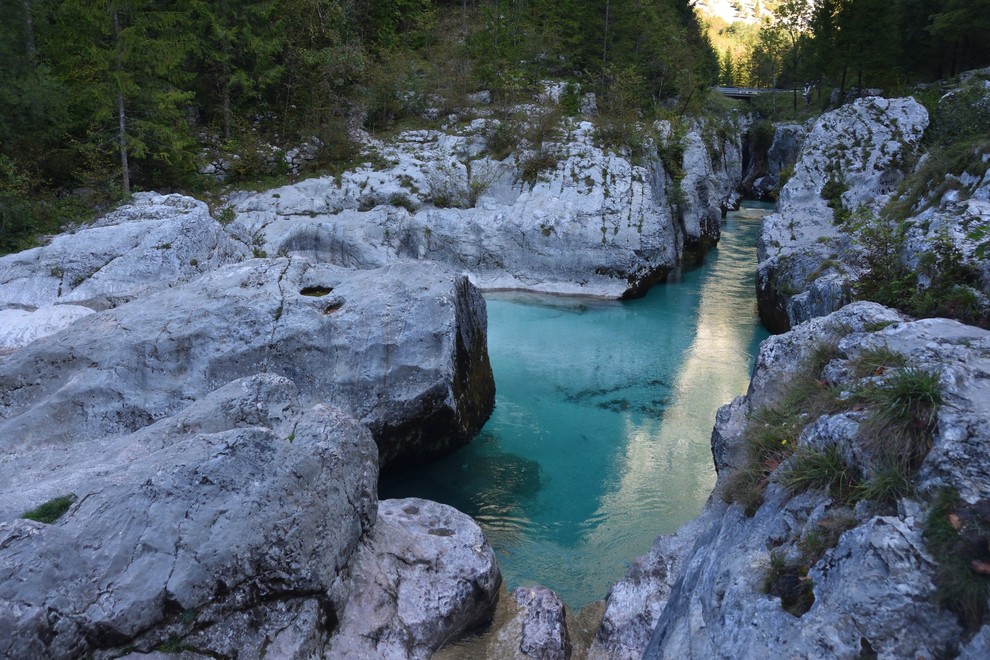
x: 242, y: 507
x: 423, y: 576
x: 769, y: 164
x: 403, y: 350
x: 853, y: 158
x: 874, y: 587
x: 566, y: 216
x: 153, y: 242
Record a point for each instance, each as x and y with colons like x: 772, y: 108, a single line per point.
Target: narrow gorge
x: 199, y: 406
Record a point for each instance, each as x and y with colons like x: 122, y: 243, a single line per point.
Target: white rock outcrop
x: 862, y: 149
x: 875, y: 589
x: 590, y: 222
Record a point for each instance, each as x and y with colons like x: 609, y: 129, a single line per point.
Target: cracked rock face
x: 874, y: 590
x: 763, y: 177
x: 243, y: 504
x: 403, y: 350
x: 807, y: 261
x: 152, y: 243
x: 216, y: 444
x: 423, y: 576
x: 592, y: 223
x: 543, y: 624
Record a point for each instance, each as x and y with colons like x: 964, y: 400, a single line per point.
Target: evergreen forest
x: 98, y: 99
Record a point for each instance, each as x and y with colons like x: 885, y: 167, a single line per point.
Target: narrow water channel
x: 600, y: 436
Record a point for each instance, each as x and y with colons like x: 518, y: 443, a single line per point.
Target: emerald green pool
x: 600, y: 436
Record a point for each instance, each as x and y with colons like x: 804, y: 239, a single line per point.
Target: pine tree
x: 124, y: 59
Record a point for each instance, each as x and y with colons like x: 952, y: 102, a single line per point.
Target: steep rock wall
x: 874, y: 587
x: 854, y: 157
x: 590, y: 222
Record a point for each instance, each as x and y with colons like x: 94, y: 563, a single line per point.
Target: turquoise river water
x: 604, y: 410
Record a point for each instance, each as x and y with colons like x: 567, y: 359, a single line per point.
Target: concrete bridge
x: 747, y: 93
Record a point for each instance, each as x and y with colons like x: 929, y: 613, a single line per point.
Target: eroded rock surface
x: 243, y: 503
x: 874, y: 590
x: 154, y: 242
x: 403, y: 350
x: 765, y: 174
x: 853, y: 158
x: 423, y: 576
x: 589, y: 222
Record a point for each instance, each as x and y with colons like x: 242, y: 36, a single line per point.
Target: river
x: 600, y: 436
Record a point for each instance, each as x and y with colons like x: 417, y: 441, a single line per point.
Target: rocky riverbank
x: 195, y: 407
x: 850, y: 517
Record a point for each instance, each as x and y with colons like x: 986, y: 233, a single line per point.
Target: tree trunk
x: 226, y: 106
x: 29, y: 46
x: 121, y: 116
x: 122, y: 139
x: 605, y: 40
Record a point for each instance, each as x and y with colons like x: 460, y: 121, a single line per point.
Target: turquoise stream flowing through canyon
x: 600, y: 436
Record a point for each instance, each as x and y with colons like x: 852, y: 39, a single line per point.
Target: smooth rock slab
x: 424, y: 575
x: 402, y: 349
x: 20, y: 327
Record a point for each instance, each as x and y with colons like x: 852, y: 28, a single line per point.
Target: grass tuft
x: 875, y: 361
x: 51, y: 510
x: 788, y: 580
x: 886, y: 486
x: 902, y: 418
x: 812, y: 468
x: 772, y: 433
x: 957, y: 535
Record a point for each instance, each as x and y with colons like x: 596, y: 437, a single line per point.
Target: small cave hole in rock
x: 441, y: 531
x: 333, y: 307
x: 315, y: 291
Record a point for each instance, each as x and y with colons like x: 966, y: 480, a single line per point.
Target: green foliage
x: 540, y: 161
x: 903, y: 410
x: 91, y: 92
x: 503, y: 140
x: 957, y: 536
x: 824, y: 535
x: 832, y: 193
x: 788, y: 580
x: 886, y: 486
x: 950, y: 279
x: 51, y: 510
x: 812, y: 468
x: 876, y: 360
x: 771, y: 435
x: 402, y: 200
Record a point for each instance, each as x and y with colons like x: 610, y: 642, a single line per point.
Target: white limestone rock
x: 592, y: 223
x: 424, y: 575
x: 403, y: 350
x: 866, y: 146
x: 875, y: 590
x: 154, y: 242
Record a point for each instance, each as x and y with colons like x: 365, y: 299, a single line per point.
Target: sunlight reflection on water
x: 600, y: 436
